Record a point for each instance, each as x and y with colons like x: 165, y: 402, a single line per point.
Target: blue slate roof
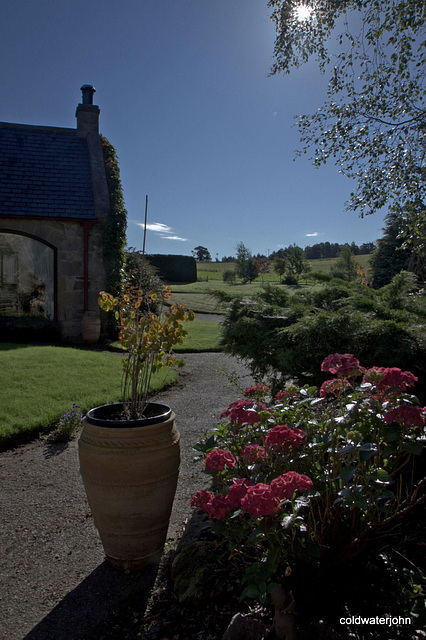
x: 44, y: 172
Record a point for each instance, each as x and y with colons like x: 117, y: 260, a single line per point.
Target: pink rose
x: 218, y: 459
x: 259, y: 501
x: 282, y: 437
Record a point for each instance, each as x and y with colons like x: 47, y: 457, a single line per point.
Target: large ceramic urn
x: 130, y: 471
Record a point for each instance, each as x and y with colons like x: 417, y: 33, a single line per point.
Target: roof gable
x: 44, y: 172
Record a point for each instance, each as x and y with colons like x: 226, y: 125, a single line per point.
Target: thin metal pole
x: 144, y: 229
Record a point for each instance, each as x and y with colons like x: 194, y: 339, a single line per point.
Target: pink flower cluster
x: 407, y: 416
x: 218, y: 459
x: 282, y: 395
x: 284, y: 486
x: 216, y: 506
x: 342, y: 365
x: 257, y: 391
x: 263, y: 499
x: 238, y: 490
x: 387, y: 377
x: 253, y: 452
x: 334, y: 386
x: 283, y: 437
x: 256, y: 499
x: 243, y: 412
x: 259, y: 501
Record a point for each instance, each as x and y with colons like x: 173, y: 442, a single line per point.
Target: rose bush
x: 311, y: 478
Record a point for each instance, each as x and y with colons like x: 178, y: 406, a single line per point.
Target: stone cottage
x: 54, y: 203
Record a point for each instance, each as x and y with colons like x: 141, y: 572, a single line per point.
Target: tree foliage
x: 297, y: 265
x: 373, y: 121
x: 390, y: 256
x: 344, y: 266
x: 201, y: 254
x: 245, y: 265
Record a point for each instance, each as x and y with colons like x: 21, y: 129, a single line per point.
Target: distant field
x: 197, y: 295
x: 207, y: 271
x: 324, y: 264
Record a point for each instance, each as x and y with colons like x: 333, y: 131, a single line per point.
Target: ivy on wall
x: 114, y: 231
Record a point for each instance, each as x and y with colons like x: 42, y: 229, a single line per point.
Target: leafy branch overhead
x: 373, y: 121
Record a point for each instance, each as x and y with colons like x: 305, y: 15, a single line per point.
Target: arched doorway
x: 27, y: 276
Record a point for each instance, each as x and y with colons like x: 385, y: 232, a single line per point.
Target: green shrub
x: 274, y: 296
x: 229, y: 276
x: 283, y: 342
x: 291, y: 280
x: 321, y: 277
x: 325, y: 298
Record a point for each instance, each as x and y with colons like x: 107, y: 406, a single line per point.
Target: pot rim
x: 99, y: 416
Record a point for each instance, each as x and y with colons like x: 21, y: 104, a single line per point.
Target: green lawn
x: 40, y: 383
x: 203, y: 335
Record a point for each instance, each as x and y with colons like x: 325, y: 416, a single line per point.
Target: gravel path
x: 54, y: 582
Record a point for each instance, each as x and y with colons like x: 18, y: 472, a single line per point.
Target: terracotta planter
x: 130, y: 471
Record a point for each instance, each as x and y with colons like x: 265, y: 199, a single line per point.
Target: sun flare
x: 303, y: 12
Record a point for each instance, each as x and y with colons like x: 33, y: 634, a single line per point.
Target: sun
x: 303, y: 12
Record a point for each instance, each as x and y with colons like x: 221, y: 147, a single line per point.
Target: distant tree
x: 345, y: 265
x: 367, y: 247
x: 245, y: 265
x: 262, y: 265
x: 201, y: 254
x: 277, y: 254
x: 296, y: 262
x: 313, y: 253
x: 228, y: 259
x: 391, y: 256
x: 280, y: 267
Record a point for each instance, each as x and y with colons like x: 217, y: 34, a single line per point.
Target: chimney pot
x: 87, y: 113
x: 87, y: 91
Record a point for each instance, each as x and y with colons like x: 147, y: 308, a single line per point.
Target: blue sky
x: 198, y: 125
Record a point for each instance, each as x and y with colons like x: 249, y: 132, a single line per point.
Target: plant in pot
x: 130, y: 451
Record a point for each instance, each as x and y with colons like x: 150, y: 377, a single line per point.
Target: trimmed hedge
x: 174, y: 268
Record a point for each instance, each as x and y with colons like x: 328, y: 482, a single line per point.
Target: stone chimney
x: 87, y: 113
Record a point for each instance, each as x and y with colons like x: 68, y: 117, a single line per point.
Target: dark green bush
x: 284, y: 342
x: 229, y: 276
x: 291, y: 281
x: 325, y: 298
x: 321, y: 277
x: 174, y: 268
x: 274, y: 295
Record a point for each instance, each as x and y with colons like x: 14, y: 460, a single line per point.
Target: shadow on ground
x: 88, y: 612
